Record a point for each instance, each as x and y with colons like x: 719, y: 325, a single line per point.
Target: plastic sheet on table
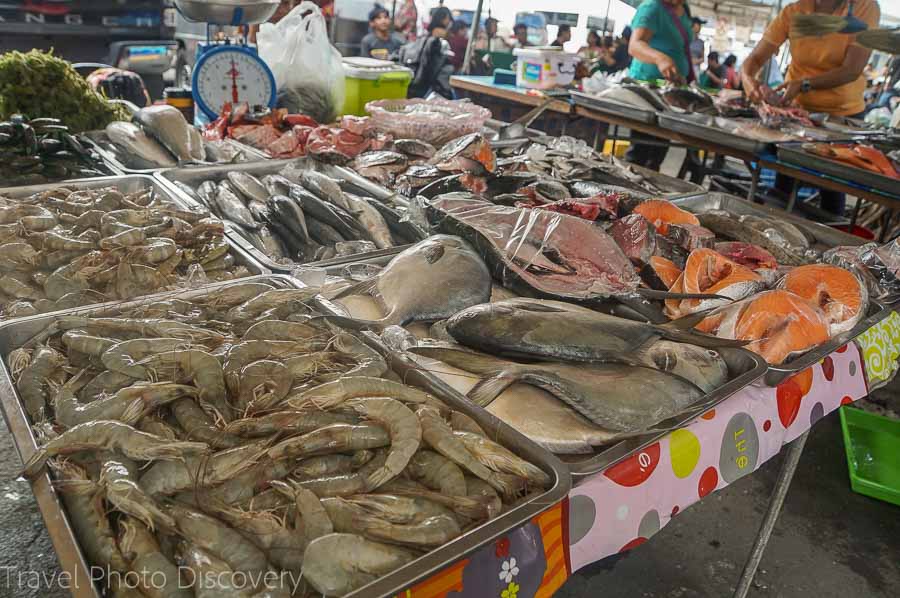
x: 435, y: 121
x: 553, y: 254
x: 883, y: 263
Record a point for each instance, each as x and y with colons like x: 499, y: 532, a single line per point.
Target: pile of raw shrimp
x: 63, y: 248
x: 235, y: 434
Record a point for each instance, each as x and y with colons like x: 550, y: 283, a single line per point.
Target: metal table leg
x: 792, y: 198
x: 754, y: 180
x: 776, y: 501
x: 855, y: 214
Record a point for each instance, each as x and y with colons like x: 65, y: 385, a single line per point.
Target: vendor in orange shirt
x: 825, y: 74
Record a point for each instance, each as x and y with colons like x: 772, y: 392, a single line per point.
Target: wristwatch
x: 805, y: 86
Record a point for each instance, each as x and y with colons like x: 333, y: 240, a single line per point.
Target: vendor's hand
x: 789, y: 90
x: 668, y: 69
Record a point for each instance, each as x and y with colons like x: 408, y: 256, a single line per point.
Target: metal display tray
x: 701, y: 126
x: 826, y: 237
x: 193, y: 177
x: 129, y: 184
x: 613, y: 108
x: 99, y: 142
x: 744, y: 368
x: 794, y: 154
x: 778, y: 373
x: 15, y: 332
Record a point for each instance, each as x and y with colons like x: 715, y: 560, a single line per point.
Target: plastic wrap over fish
x: 884, y: 264
x: 434, y: 121
x: 850, y: 257
x: 553, y: 254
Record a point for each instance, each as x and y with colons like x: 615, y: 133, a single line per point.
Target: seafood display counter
x: 168, y: 493
x: 795, y: 154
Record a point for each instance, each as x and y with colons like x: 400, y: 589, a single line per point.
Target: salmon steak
x: 708, y: 272
x: 836, y: 291
x: 662, y: 213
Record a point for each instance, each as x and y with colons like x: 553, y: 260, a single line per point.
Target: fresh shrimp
x: 398, y: 509
x: 53, y: 241
x: 88, y: 516
x: 124, y: 238
x: 158, y: 575
x: 213, y: 577
x: 113, y: 436
x: 479, y: 489
x: 336, y: 438
x: 117, y: 479
x: 199, y: 426
x: 18, y: 256
x: 236, y: 294
x: 128, y: 405
x: 430, y: 532
x: 312, y: 518
x: 267, y: 300
x: 220, y: 540
x: 105, y: 383
x: 473, y: 508
x: 283, y: 546
x: 438, y: 435
x: 153, y: 424
x: 337, y: 564
x: 20, y: 289
x: 153, y: 251
x: 340, y: 513
x: 30, y: 217
x: 224, y: 262
x: 244, y: 485
x: 287, y: 422
x: 95, y: 346
x: 32, y: 381
x: 244, y: 353
x: 368, y: 362
x: 323, y: 465
x: 171, y: 477
x: 146, y: 328
x: 403, y: 427
x: 303, y: 367
x: 263, y: 385
x: 345, y: 484
x: 282, y: 330
x: 332, y: 394
x: 18, y: 360
x: 201, y: 368
x: 502, y: 460
x: 437, y: 472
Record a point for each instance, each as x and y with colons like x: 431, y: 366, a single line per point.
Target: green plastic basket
x: 872, y: 443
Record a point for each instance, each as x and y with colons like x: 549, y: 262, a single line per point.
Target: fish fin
x: 434, y: 253
x: 484, y: 393
x: 461, y: 357
x: 700, y: 339
x: 689, y: 321
x: 364, y: 287
x: 353, y: 323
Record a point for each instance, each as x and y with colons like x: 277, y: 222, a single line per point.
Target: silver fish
x: 705, y: 368
x: 555, y: 330
x: 206, y: 193
x: 790, y: 233
x: 415, y: 148
x: 276, y: 184
x: 136, y: 146
x: 233, y: 208
x: 324, y: 187
x: 371, y: 219
x: 618, y: 397
x: 431, y: 280
x: 249, y: 186
x: 168, y: 126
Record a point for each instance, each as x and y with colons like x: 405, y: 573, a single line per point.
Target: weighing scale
x: 229, y: 71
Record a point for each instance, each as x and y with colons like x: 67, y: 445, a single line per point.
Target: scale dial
x: 231, y: 74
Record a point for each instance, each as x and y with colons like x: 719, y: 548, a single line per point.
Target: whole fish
x: 618, y: 397
x: 431, y: 280
x: 705, y: 368
x: 191, y: 193
x: 322, y: 233
x: 371, y: 219
x: 790, y: 233
x: 248, y: 186
x: 415, y: 148
x: 555, y: 330
x: 232, y: 208
x: 168, y: 126
x: 270, y: 244
x: 469, y: 153
x: 140, y: 149
x: 332, y: 215
x: 726, y: 225
x: 289, y: 215
x: 276, y: 184
x: 324, y: 187
x: 403, y: 230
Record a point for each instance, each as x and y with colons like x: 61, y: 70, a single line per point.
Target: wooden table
x: 485, y: 85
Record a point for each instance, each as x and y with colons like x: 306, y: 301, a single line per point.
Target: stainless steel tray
x: 673, y: 187
x: 129, y: 184
x: 192, y: 177
x: 14, y: 333
x: 99, y: 142
x: 794, y: 154
x: 701, y: 126
x: 826, y: 236
x: 777, y: 374
x: 613, y: 108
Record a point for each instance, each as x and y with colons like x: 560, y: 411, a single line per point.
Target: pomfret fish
x: 556, y: 330
x: 618, y: 397
x: 414, y: 148
x: 705, y: 368
x: 136, y: 144
x: 431, y: 280
x: 168, y: 126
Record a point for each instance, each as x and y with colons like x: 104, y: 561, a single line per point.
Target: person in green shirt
x: 660, y: 47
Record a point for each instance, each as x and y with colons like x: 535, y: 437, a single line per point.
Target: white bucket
x: 543, y: 68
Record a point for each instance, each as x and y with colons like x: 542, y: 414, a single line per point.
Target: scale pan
x: 227, y: 12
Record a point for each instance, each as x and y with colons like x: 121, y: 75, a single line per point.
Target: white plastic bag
x: 307, y: 68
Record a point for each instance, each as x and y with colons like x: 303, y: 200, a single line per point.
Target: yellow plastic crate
x: 368, y: 79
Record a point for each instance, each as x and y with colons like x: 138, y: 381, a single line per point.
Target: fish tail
x: 364, y: 287
x: 354, y: 324
x: 484, y: 393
